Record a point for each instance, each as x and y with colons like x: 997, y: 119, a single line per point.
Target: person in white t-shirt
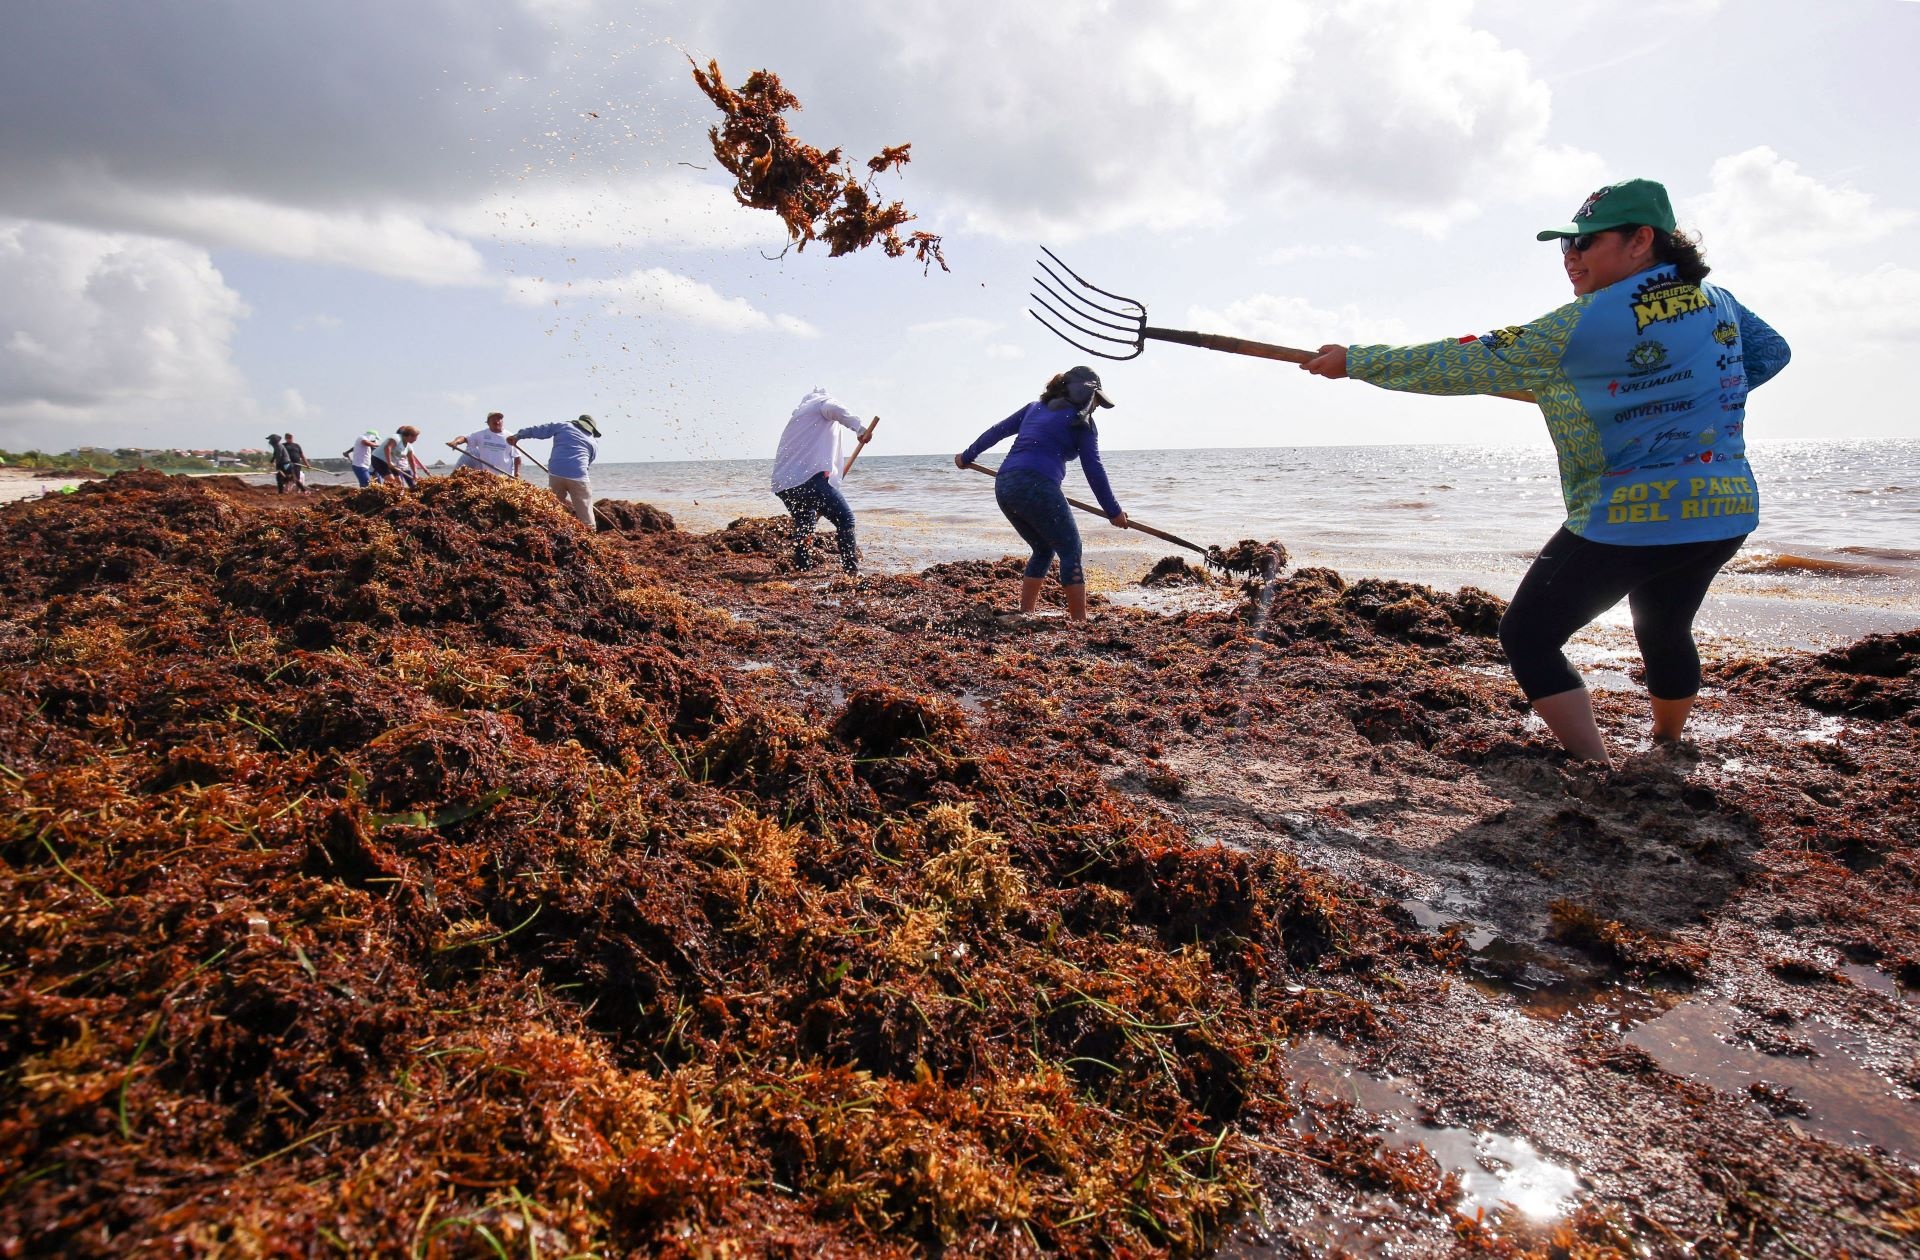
x: 361, y: 454
x: 488, y: 448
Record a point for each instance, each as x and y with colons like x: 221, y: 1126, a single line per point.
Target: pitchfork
x: 1077, y: 308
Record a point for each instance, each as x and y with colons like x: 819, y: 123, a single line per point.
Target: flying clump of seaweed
x: 816, y: 194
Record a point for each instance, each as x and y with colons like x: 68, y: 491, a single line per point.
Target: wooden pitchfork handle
x: 1175, y: 539
x: 1263, y: 350
x: 863, y: 446
x: 483, y: 459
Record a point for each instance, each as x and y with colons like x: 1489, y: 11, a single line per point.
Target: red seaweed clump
x: 815, y: 193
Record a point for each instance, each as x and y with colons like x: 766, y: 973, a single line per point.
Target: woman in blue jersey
x: 1643, y: 381
x: 1050, y: 432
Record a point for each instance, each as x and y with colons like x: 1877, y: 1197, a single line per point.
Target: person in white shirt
x: 488, y: 448
x: 806, y: 474
x: 360, y: 456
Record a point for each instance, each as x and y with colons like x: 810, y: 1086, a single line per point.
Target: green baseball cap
x: 1629, y: 203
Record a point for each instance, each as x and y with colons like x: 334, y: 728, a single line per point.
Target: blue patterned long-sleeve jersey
x: 1643, y: 385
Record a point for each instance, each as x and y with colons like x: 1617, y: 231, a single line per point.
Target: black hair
x: 1682, y: 252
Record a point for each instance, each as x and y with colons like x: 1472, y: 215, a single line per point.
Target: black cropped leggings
x: 1572, y: 581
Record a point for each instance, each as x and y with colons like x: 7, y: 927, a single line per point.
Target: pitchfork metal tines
x: 1111, y: 326
x: 1075, y: 295
x: 1114, y: 327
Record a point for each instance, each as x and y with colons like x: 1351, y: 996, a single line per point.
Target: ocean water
x: 1837, y: 553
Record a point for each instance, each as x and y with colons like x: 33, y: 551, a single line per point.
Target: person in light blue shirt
x: 576, y: 444
x: 1047, y: 435
x: 1643, y: 381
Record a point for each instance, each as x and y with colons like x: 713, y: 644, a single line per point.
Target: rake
x: 1111, y: 326
x: 1161, y: 534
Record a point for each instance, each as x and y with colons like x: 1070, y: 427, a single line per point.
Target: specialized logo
x: 1616, y: 389
x: 1647, y: 356
x: 1664, y: 300
x: 1593, y: 199
x: 1501, y: 338
x: 1726, y: 333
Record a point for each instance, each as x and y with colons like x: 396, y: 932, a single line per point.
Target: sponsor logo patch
x: 1665, y: 300
x: 1647, y: 356
x: 1673, y: 407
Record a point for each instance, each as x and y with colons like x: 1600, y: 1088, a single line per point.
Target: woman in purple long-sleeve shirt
x: 1056, y: 429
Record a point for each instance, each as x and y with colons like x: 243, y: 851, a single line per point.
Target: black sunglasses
x: 1584, y: 242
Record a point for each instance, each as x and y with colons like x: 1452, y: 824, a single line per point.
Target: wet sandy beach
x: 414, y: 873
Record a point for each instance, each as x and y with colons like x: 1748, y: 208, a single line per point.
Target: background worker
x: 488, y: 448
x: 396, y: 458
x: 576, y: 444
x: 360, y: 456
x: 293, y: 464
x: 1047, y: 434
x: 806, y: 474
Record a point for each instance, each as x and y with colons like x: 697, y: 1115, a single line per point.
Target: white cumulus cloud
x: 93, y: 321
x: 1761, y: 204
x: 657, y: 291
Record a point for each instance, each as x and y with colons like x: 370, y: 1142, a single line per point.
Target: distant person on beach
x: 292, y: 463
x: 576, y: 444
x: 279, y: 463
x: 1051, y: 432
x: 488, y: 448
x: 360, y: 456
x: 806, y: 475
x: 1643, y: 380
x: 396, y: 460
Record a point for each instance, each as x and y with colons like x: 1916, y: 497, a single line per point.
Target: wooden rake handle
x: 874, y: 424
x: 1175, y: 539
x: 1261, y: 350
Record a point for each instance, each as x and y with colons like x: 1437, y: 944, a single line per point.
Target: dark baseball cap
x: 1083, y: 384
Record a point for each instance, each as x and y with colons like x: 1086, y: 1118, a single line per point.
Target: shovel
x: 1175, y: 539
x: 1110, y: 326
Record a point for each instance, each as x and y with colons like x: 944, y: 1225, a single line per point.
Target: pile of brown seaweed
x: 815, y: 193
x: 419, y: 874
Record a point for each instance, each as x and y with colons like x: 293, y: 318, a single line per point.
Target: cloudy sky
x: 219, y: 216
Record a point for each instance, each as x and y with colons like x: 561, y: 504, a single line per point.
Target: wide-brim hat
x: 586, y: 422
x: 1629, y: 203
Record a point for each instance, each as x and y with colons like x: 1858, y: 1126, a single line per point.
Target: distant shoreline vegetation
x: 102, y: 460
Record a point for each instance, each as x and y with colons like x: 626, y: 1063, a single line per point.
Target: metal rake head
x: 1072, y: 301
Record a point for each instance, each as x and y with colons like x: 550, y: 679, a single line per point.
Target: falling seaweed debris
x: 816, y: 194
